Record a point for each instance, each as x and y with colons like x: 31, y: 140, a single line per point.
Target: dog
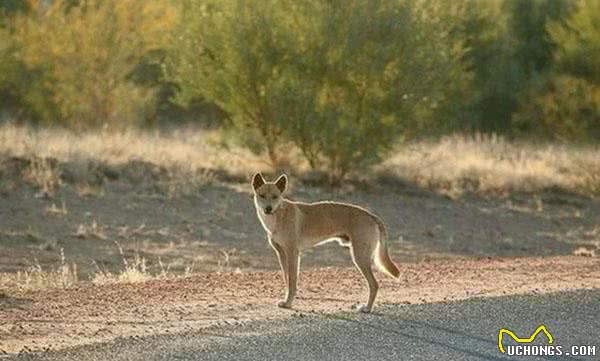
x: 294, y: 226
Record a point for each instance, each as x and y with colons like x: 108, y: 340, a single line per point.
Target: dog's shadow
x: 326, y: 299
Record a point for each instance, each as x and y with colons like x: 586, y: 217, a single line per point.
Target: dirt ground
x: 448, y: 249
x: 55, y: 319
x: 212, y: 226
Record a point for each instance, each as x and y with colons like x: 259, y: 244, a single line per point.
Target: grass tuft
x: 43, y: 174
x: 135, y: 270
x: 35, y: 277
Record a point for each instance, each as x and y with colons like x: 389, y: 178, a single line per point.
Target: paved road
x: 456, y: 331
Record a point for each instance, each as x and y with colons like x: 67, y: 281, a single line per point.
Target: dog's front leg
x: 281, y: 256
x: 293, y: 264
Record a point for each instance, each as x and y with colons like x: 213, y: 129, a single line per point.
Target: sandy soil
x: 55, y: 319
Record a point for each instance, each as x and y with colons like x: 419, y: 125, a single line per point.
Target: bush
x: 567, y: 105
x: 360, y: 90
x: 21, y: 92
x: 224, y: 51
x: 564, y: 108
x: 578, y: 42
x: 509, y: 48
x: 341, y: 80
x: 85, y: 54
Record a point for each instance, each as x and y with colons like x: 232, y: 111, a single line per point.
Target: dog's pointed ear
x: 281, y: 183
x: 257, y: 181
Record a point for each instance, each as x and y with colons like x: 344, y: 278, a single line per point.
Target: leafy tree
x: 343, y: 80
x: 22, y: 92
x: 533, y: 46
x: 225, y: 51
x: 562, y: 108
x: 566, y: 106
x: 367, y: 77
x: 578, y: 42
x: 86, y: 52
x: 509, y: 49
x: 10, y: 69
x: 9, y: 6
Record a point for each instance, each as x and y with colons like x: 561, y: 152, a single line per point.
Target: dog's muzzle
x: 268, y: 210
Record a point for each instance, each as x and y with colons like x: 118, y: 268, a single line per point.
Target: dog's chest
x: 269, y: 223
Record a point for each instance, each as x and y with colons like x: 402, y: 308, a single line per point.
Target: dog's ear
x: 281, y: 183
x: 257, y: 181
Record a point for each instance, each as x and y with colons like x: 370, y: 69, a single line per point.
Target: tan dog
x: 294, y: 226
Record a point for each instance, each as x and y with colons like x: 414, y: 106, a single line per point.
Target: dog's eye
x: 274, y: 197
x: 261, y: 195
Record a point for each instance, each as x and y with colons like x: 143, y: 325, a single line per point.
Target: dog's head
x: 268, y: 195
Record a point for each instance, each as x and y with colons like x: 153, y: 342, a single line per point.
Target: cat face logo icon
x: 530, y: 339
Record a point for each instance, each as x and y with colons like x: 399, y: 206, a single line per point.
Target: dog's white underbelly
x: 342, y: 242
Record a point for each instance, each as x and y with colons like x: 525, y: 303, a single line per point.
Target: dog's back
x: 322, y: 220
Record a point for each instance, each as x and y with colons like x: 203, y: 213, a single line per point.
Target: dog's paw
x: 284, y: 304
x: 364, y: 309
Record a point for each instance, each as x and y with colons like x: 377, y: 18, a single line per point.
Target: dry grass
x: 227, y: 260
x: 453, y: 165
x: 64, y: 275
x: 58, y: 211
x: 89, y: 190
x: 90, y: 231
x: 135, y: 270
x: 585, y: 252
x: 183, y: 149
x: 35, y: 277
x: 481, y: 164
x: 42, y: 174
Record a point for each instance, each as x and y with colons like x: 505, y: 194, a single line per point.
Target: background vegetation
x: 341, y: 82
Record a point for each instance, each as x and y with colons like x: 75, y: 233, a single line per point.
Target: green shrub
x: 342, y: 80
x: 509, y: 49
x: 84, y: 55
x: 578, y: 41
x: 564, y: 108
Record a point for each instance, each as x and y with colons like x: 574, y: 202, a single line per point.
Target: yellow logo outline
x: 523, y: 340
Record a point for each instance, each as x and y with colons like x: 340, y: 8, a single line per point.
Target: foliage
x: 509, y: 49
x: 9, y: 6
x: 362, y: 88
x: 567, y: 107
x: 22, y: 92
x: 341, y: 80
x: 86, y: 53
x: 578, y: 42
x: 564, y: 108
x: 223, y: 51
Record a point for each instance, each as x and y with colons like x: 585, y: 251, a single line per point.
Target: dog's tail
x: 382, y: 258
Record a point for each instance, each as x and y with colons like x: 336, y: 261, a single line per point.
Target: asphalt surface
x: 465, y: 330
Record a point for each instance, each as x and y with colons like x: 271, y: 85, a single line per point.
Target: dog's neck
x: 270, y: 221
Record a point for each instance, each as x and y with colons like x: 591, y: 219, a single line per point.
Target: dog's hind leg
x: 362, y: 255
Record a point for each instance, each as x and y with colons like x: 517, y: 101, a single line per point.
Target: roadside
x: 55, y: 319
x: 462, y: 330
